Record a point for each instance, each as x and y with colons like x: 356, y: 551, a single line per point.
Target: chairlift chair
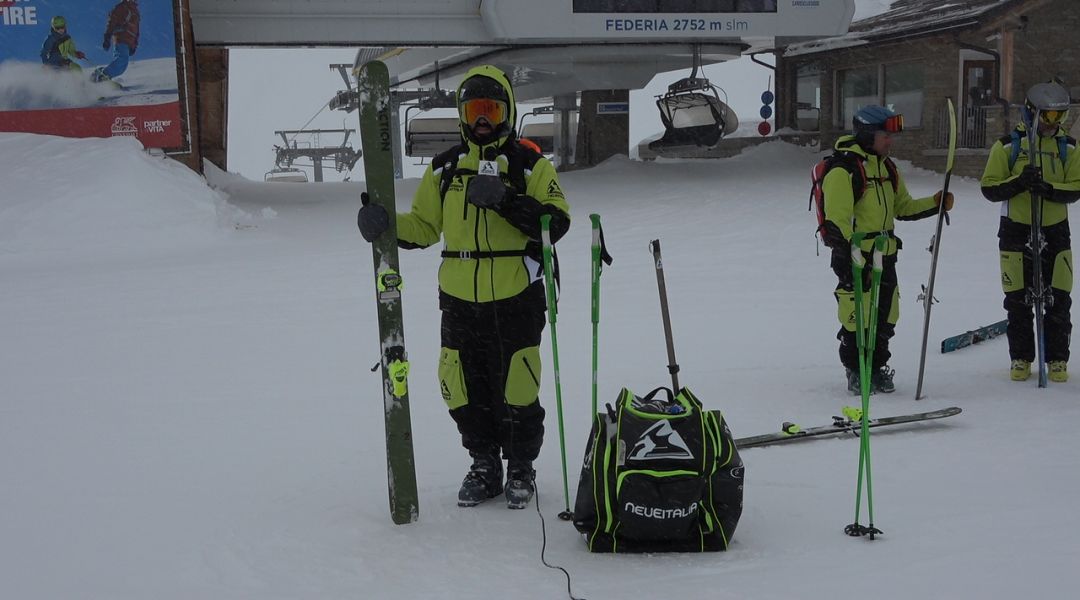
x: 285, y: 174
x: 693, y: 113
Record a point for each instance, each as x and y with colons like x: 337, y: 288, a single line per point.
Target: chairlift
x: 540, y: 132
x: 693, y: 113
x: 285, y: 174
x: 427, y: 137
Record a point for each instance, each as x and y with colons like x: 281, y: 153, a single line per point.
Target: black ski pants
x: 886, y: 328
x: 1014, y: 238
x: 489, y: 372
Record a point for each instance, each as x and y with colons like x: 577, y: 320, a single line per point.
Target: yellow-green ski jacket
x: 879, y: 206
x: 512, y: 227
x: 1000, y: 183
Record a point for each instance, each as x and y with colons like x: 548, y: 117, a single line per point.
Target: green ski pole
x: 600, y: 257
x: 549, y: 286
x: 865, y: 337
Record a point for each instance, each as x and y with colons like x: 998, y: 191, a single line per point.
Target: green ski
x: 373, y: 82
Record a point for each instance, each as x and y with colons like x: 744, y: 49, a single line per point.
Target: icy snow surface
x: 187, y: 408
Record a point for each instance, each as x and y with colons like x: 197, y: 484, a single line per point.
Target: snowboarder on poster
x: 58, y: 51
x: 491, y: 289
x: 884, y: 198
x: 1010, y: 177
x: 122, y: 35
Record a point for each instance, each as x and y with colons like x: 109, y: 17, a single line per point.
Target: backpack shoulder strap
x: 1064, y: 141
x: 520, y: 158
x: 852, y: 163
x: 448, y: 160
x: 894, y: 174
x: 1014, y: 153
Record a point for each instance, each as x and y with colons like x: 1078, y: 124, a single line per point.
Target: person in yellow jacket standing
x: 484, y: 198
x: 1010, y: 178
x: 864, y: 192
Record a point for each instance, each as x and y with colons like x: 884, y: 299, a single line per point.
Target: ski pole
x: 1037, y: 293
x: 928, y: 293
x: 599, y: 253
x: 865, y: 334
x: 549, y: 286
x: 673, y: 367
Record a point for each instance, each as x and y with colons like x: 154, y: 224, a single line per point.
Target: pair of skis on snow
x: 376, y: 135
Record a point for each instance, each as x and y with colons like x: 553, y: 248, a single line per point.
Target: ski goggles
x: 1052, y: 117
x: 893, y: 124
x: 493, y: 110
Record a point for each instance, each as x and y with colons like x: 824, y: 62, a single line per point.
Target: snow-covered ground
x: 187, y: 410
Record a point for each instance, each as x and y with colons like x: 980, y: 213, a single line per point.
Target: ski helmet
x: 1049, y: 100
x: 59, y: 22
x: 869, y: 120
x: 482, y: 96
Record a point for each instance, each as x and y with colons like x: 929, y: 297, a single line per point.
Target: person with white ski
x: 484, y: 198
x: 1011, y: 177
x: 864, y: 192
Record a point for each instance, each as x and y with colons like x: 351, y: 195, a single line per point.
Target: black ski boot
x: 881, y: 380
x: 853, y: 382
x: 519, y: 483
x: 483, y: 481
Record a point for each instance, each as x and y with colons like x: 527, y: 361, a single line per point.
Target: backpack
x: 853, y: 164
x: 660, y: 475
x: 1013, y: 140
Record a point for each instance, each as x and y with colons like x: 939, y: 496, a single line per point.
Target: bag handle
x: 652, y: 394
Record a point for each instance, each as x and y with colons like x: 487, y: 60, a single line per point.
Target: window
x: 807, y: 97
x: 904, y: 91
x: 897, y: 86
x: 858, y: 88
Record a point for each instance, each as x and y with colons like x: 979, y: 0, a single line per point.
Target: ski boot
x: 881, y: 380
x: 519, y: 483
x: 853, y: 382
x: 1020, y: 370
x: 483, y: 481
x: 1059, y: 372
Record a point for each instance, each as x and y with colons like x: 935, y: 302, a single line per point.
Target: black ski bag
x: 661, y: 474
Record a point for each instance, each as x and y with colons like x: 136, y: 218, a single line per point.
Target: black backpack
x: 661, y: 474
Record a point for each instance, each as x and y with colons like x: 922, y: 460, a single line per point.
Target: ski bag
x: 661, y: 474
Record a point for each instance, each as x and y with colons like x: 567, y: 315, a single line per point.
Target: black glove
x: 105, y: 45
x: 372, y: 219
x: 487, y: 191
x: 1042, y: 189
x: 1030, y: 176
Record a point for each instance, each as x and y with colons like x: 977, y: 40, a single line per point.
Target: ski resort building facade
x: 983, y: 54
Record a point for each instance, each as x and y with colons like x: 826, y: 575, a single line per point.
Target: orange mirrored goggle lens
x: 894, y: 124
x: 492, y: 110
x: 1051, y: 117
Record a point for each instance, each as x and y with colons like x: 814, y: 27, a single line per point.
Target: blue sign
x: 612, y: 108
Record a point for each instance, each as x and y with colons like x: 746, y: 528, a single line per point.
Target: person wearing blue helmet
x: 864, y: 192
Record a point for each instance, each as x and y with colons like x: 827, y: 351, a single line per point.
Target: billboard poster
x: 90, y: 68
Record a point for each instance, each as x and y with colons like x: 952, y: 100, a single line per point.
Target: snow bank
x: 74, y: 195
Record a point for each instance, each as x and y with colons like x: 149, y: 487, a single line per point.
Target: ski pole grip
x: 856, y: 249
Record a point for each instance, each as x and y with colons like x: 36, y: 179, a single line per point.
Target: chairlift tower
x: 344, y: 156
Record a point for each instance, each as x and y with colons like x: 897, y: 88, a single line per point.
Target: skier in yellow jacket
x: 1010, y: 177
x: 484, y: 199
x: 863, y: 164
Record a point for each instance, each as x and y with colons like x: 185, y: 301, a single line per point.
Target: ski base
x: 968, y: 338
x: 839, y: 426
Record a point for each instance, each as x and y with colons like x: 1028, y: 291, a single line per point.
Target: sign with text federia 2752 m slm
x: 90, y: 68
x: 663, y: 20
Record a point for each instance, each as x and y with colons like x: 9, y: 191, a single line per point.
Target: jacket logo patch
x: 554, y: 191
x: 660, y: 442
x: 488, y: 167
